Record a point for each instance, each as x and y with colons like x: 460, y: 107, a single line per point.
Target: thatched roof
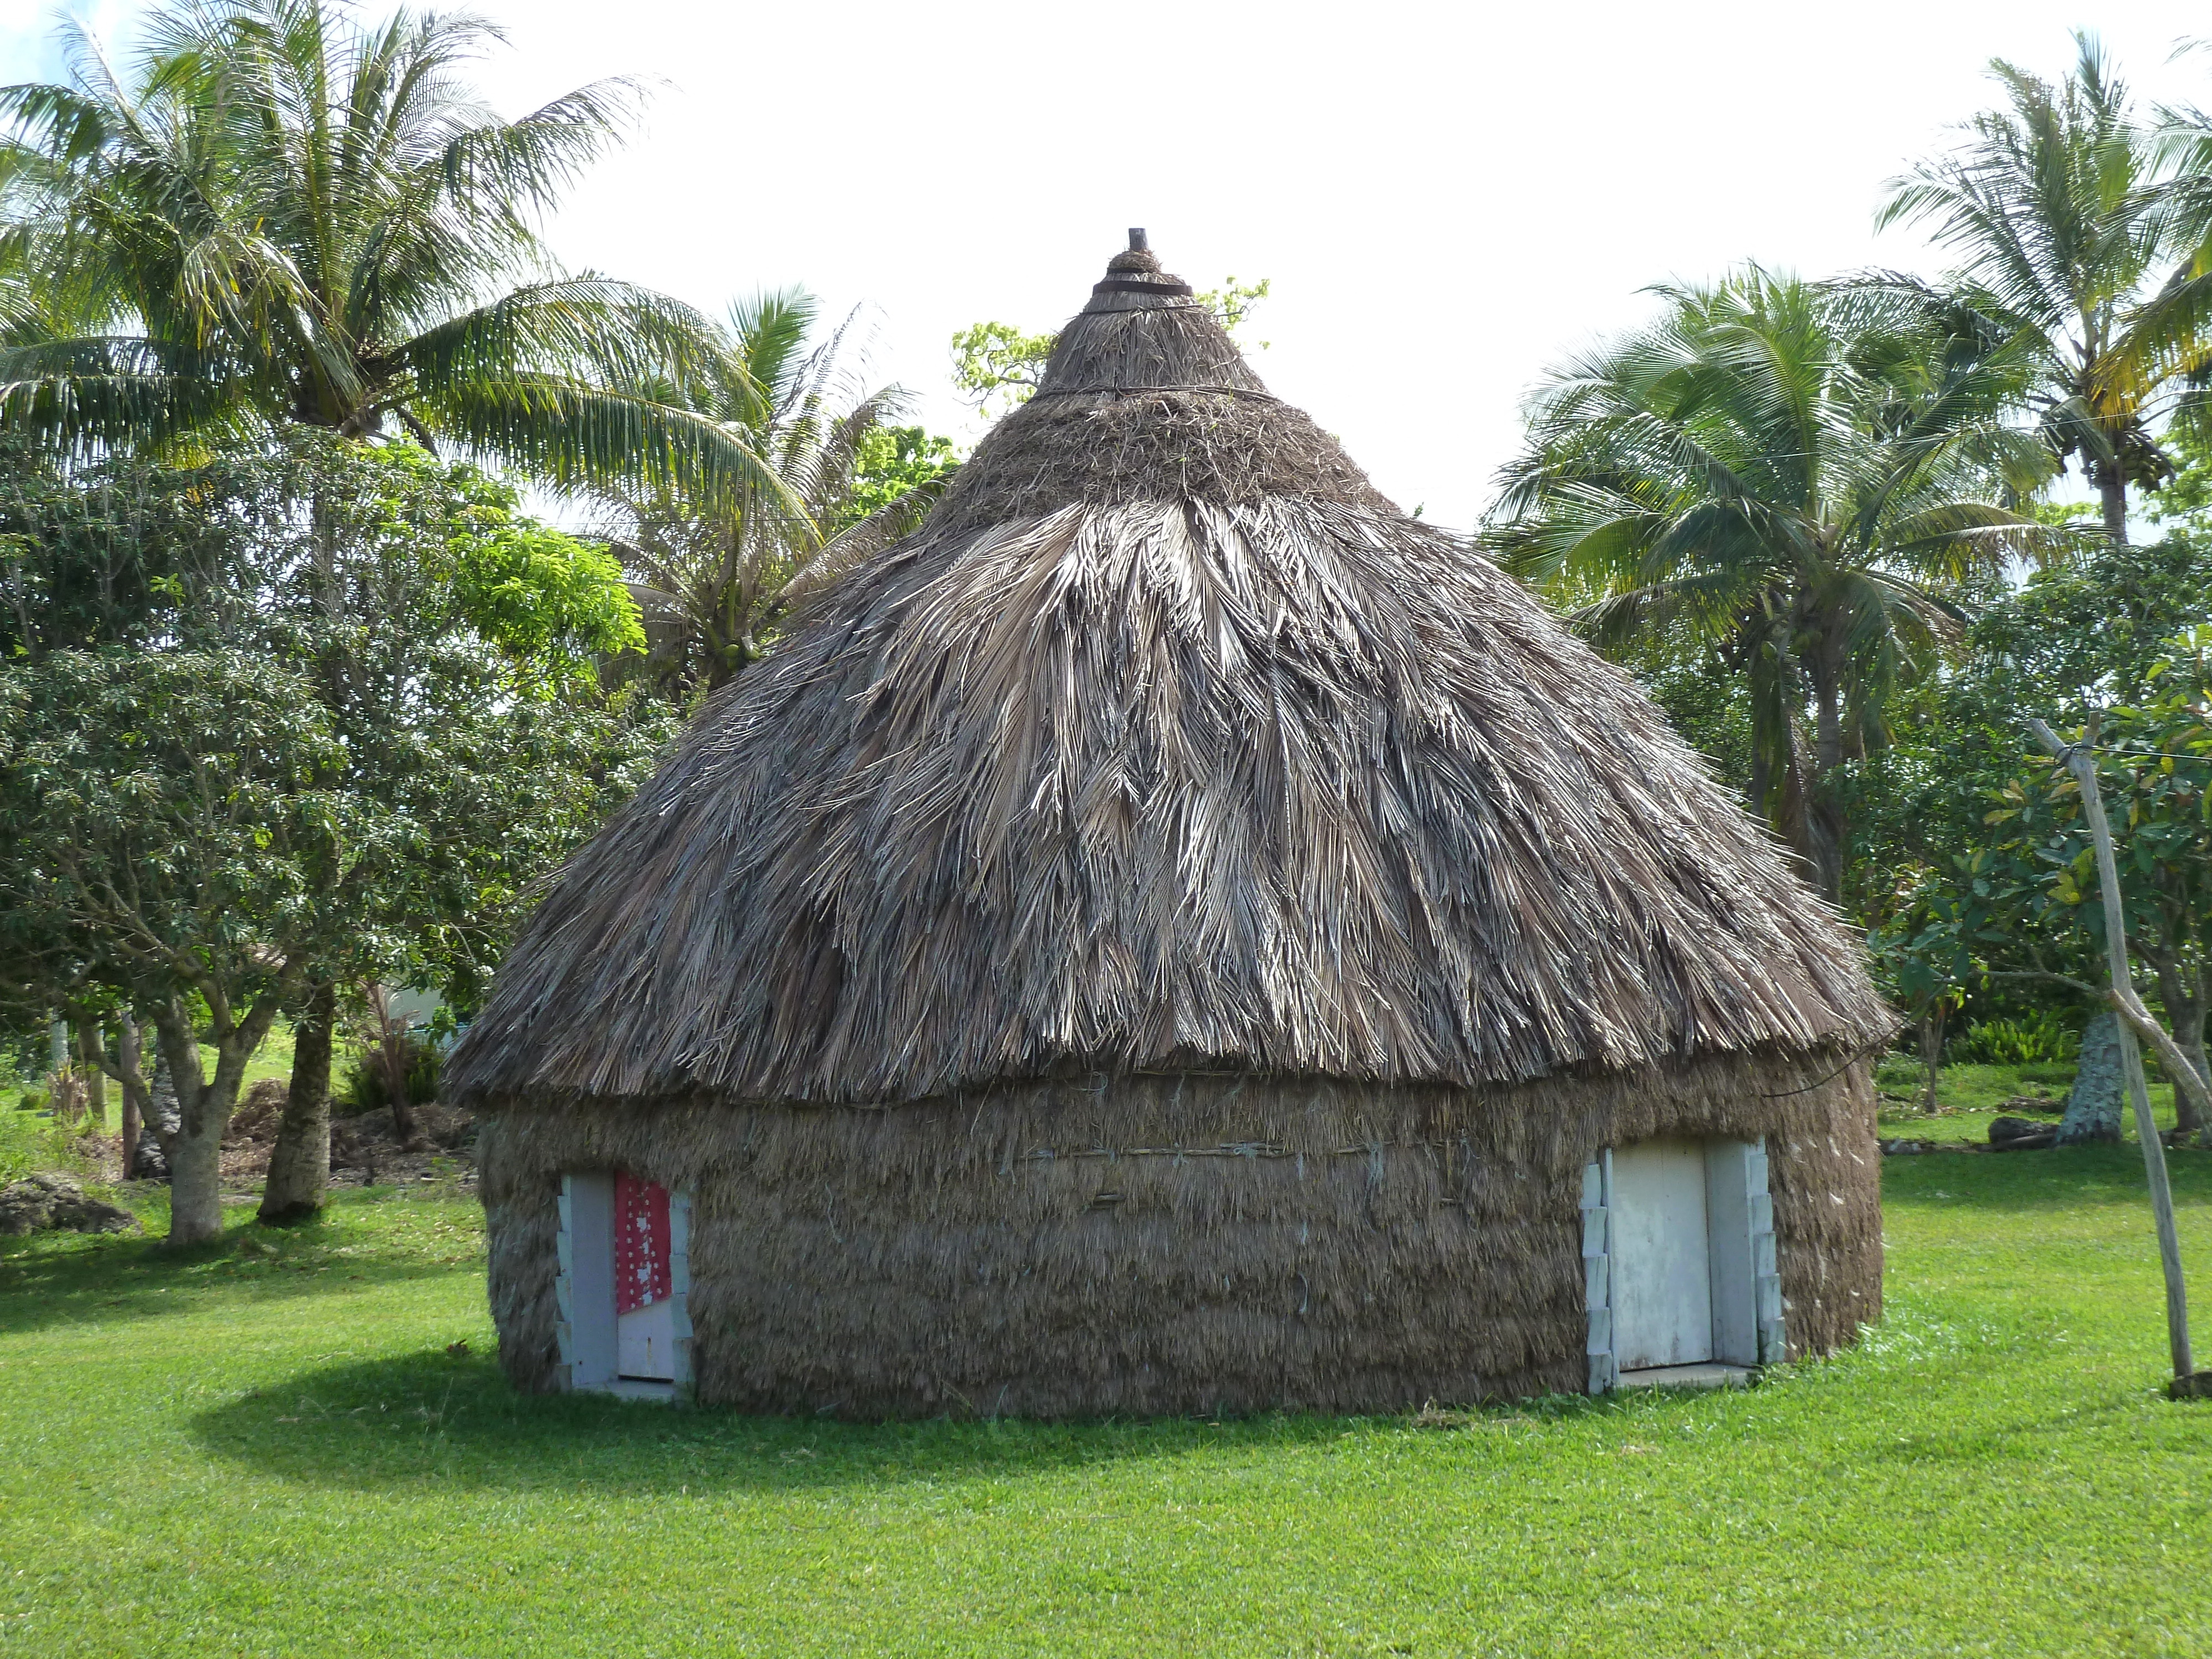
x: 1165, y: 743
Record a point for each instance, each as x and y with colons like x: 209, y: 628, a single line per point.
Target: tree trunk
x: 2186, y: 1016
x: 195, y: 1150
x: 134, y: 1125
x: 91, y: 1047
x: 127, y: 1058
x: 1931, y: 1050
x: 2112, y: 491
x: 195, y: 1181
x: 2181, y: 989
x: 1823, y: 823
x: 300, y: 1163
x: 203, y: 1109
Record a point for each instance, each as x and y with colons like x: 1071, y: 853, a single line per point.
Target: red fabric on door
x: 641, y: 1243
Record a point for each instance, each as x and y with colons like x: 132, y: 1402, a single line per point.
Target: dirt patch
x: 369, y: 1151
x: 58, y: 1203
x: 365, y: 1151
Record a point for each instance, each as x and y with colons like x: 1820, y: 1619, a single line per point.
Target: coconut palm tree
x: 2070, y: 238
x: 714, y: 578
x: 283, y: 216
x: 1789, y: 474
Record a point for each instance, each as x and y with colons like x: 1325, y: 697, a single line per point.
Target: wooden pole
x: 2080, y: 760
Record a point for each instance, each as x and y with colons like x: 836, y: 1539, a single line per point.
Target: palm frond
x: 579, y: 436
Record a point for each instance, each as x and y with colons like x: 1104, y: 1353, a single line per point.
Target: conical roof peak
x: 1134, y: 281
x: 1144, y: 330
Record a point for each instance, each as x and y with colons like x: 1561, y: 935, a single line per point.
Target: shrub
x: 2038, y: 1039
x: 360, y: 1086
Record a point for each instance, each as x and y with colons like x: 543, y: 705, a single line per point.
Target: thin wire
x: 1878, y: 1043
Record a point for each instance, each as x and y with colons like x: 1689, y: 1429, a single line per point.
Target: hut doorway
x: 1662, y: 1311
x: 623, y: 1285
x: 1679, y: 1248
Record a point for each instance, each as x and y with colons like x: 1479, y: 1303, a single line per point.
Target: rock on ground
x: 54, y: 1203
x: 2018, y: 1134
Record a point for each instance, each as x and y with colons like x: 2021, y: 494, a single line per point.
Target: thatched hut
x: 1174, y: 934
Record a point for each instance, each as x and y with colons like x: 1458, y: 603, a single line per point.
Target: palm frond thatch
x: 1165, y: 744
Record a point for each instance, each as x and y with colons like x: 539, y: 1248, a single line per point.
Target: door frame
x: 585, y: 1330
x: 1748, y: 1328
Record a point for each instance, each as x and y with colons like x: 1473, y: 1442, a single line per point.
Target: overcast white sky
x: 1446, y: 199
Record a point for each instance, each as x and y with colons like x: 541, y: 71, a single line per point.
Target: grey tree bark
x: 300, y: 1163
x: 2113, y: 494
x: 91, y: 1045
x: 203, y: 1109
x: 1824, y: 821
x: 128, y: 1055
x: 1931, y: 1051
x: 2093, y: 1105
x: 2181, y: 989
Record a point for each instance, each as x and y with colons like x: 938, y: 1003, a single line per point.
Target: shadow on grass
x: 454, y: 1421
x: 2055, y: 1180
x: 68, y: 1279
x: 2032, y: 1436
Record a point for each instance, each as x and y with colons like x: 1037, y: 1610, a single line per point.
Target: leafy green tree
x: 716, y: 576
x: 282, y: 216
x: 1967, y: 913
x: 1794, y: 478
x: 2075, y: 635
x: 2154, y: 760
x: 2068, y: 246
x: 358, y: 723
x: 159, y: 814
x: 999, y: 366
x: 89, y: 554
x: 892, y: 464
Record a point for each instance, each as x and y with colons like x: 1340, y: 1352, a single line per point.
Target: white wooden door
x: 1663, y: 1298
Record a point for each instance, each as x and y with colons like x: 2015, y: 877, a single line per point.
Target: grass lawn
x: 1968, y: 1097
x: 273, y: 1059
x: 265, y: 1447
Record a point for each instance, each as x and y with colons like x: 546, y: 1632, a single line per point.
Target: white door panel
x: 645, y: 1342
x: 1662, y: 1307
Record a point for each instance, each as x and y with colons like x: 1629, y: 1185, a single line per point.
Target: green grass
x: 1968, y: 1097
x: 29, y: 1143
x: 264, y: 1448
x: 273, y: 1059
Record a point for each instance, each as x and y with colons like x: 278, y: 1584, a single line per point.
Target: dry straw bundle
x: 1168, y: 791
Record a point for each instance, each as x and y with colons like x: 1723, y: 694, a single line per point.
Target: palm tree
x: 280, y: 216
x: 283, y: 216
x: 2069, y: 238
x: 714, y: 578
x: 1784, y: 473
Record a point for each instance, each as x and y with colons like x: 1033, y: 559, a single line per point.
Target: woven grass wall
x: 1162, y: 1244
